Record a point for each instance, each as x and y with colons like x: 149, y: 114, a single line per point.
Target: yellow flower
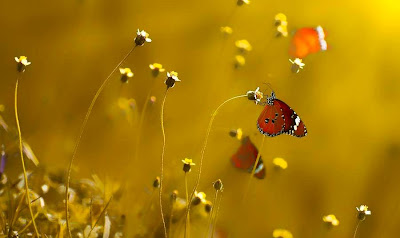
x: 331, y: 219
x: 363, y: 212
x: 187, y: 165
x: 238, y: 133
x: 22, y: 63
x: 188, y: 161
x: 282, y: 30
x: 297, y: 64
x: 226, y: 30
x: 172, y: 78
x: 280, y: 18
x: 243, y: 45
x: 240, y: 61
x: 156, y: 67
x: 141, y: 38
x: 281, y: 233
x: 256, y: 95
x: 241, y: 2
x: 280, y: 163
x: 199, y: 197
x: 22, y: 60
x: 126, y: 73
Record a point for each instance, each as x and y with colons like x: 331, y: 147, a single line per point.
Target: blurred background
x: 348, y: 98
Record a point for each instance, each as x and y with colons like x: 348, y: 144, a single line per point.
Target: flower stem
x: 82, y: 130
x: 210, y: 220
x: 254, y: 169
x: 216, y: 216
x: 187, y: 220
x: 162, y: 162
x: 205, y: 146
x: 355, y: 231
x: 22, y: 157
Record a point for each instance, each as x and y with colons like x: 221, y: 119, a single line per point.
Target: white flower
x: 297, y: 64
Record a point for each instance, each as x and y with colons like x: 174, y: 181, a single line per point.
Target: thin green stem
x: 205, y: 146
x: 254, y: 169
x: 210, y: 220
x: 82, y: 130
x: 98, y: 219
x: 162, y: 163
x: 22, y: 158
x: 216, y: 215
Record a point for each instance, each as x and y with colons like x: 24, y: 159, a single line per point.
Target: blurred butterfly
x: 308, y: 40
x: 245, y: 158
x: 278, y: 118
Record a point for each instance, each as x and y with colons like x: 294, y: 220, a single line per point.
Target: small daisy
x: 240, y: 61
x: 280, y: 163
x: 238, y: 133
x: 363, y: 212
x: 172, y: 78
x: 280, y: 19
x: 226, y: 30
x: 331, y: 219
x: 281, y: 233
x: 243, y: 46
x: 156, y: 68
x: 199, y: 197
x: 256, y: 95
x: 126, y: 73
x: 282, y: 30
x: 297, y: 64
x: 241, y: 2
x: 187, y: 165
x: 142, y: 37
x: 22, y: 63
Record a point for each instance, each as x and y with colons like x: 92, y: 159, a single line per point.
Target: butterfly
x: 308, y: 40
x: 278, y: 118
x: 245, y: 158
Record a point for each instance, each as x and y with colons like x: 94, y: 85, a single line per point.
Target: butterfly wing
x: 246, y: 156
x: 271, y: 121
x: 293, y: 124
x: 304, y: 42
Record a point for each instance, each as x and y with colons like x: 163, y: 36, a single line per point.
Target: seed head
x: 172, y: 78
x: 22, y: 62
x: 141, y: 38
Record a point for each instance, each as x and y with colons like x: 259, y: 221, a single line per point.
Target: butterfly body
x: 246, y: 157
x: 278, y: 118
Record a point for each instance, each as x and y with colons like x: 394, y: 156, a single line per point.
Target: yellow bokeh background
x: 347, y: 96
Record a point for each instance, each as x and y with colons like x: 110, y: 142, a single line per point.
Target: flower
x: 331, y: 219
x: 363, y: 212
x: 238, y: 133
x: 280, y: 163
x: 241, y: 2
x: 199, y: 197
x: 256, y: 95
x: 142, y: 37
x: 187, y: 165
x: 156, y: 182
x: 156, y: 68
x: 172, y: 78
x: 218, y: 185
x: 280, y: 19
x: 22, y: 63
x: 126, y: 73
x: 281, y: 233
x: 243, y: 46
x: 282, y: 30
x: 240, y: 61
x: 226, y: 30
x: 174, y: 196
x: 297, y: 64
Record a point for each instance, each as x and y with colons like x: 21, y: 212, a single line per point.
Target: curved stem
x: 205, y: 146
x: 162, y: 162
x: 254, y: 169
x: 355, y: 231
x: 28, y: 197
x: 82, y: 130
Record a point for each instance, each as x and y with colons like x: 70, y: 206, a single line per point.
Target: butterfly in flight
x: 278, y: 118
x: 308, y: 40
x: 245, y: 158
